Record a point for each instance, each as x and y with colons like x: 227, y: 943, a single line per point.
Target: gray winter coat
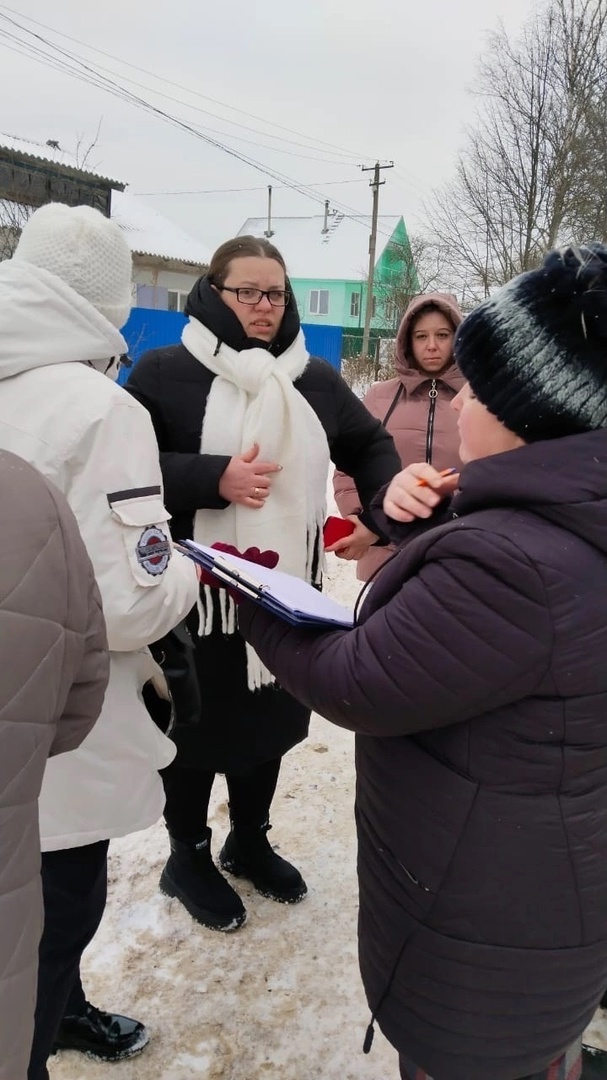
x: 53, y: 675
x: 477, y: 685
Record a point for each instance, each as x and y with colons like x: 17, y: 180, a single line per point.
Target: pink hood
x: 404, y: 363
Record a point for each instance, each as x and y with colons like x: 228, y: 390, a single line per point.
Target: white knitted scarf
x: 253, y: 400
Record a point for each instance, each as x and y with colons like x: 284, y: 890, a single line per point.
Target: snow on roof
x: 340, y: 254
x: 52, y: 154
x: 149, y: 233
x: 145, y: 230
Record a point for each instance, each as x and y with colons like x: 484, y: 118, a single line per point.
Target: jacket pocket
x: 146, y: 537
x: 411, y: 811
x: 519, y: 860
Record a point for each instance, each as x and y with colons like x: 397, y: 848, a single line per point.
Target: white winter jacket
x: 97, y: 444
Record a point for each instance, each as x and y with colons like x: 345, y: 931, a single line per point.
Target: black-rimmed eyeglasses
x: 277, y: 297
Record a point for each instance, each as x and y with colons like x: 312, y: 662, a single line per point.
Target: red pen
x: 445, y: 472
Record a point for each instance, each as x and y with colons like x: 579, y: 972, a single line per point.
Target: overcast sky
x: 352, y: 80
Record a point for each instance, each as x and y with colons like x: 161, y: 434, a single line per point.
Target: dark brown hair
x: 426, y: 309
x: 240, y: 248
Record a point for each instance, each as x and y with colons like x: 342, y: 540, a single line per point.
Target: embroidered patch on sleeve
x: 153, y: 550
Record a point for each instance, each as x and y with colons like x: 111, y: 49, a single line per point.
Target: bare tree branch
x: 533, y: 173
x: 84, y: 150
x: 13, y: 215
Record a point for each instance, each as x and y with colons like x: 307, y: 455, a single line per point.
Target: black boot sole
x: 90, y: 1049
x: 207, y: 918
x: 98, y: 1055
x: 239, y: 870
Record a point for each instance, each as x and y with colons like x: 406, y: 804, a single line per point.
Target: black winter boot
x: 594, y: 1063
x: 247, y: 853
x: 101, y: 1035
x: 191, y: 876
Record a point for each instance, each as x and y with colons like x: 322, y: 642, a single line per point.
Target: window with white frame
x: 319, y: 302
x: 355, y: 305
x: 176, y: 300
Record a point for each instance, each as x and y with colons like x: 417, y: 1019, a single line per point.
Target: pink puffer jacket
x: 416, y: 411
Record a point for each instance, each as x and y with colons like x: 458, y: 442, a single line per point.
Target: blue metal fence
x: 151, y: 329
x: 325, y: 341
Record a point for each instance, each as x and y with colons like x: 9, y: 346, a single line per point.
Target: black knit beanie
x: 535, y: 353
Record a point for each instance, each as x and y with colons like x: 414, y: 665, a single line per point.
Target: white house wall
x: 164, y: 279
x: 161, y: 282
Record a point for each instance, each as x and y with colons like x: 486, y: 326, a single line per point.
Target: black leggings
x: 188, y: 792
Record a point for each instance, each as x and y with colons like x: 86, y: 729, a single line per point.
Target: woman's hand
x: 246, y: 480
x: 356, y: 543
x: 407, y: 499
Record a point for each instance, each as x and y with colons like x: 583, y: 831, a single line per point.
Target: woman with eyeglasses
x: 247, y: 423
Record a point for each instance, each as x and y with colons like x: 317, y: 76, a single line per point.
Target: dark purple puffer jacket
x: 477, y: 685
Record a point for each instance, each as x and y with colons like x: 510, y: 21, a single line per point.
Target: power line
x: 408, y: 181
x: 69, y: 63
x: 196, y: 93
x: 229, y: 191
x: 194, y: 108
x: 85, y: 73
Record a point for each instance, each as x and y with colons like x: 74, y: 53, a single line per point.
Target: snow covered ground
x: 279, y: 999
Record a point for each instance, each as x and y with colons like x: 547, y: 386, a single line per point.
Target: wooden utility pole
x: 375, y: 185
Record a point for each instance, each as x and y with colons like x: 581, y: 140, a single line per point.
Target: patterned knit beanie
x: 86, y: 250
x: 535, y: 353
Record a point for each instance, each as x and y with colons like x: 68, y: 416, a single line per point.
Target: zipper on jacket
x: 432, y: 394
x: 413, y: 878
x: 369, y: 1035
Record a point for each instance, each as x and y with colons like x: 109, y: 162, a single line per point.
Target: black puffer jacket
x: 477, y: 685
x: 174, y: 387
x: 240, y: 729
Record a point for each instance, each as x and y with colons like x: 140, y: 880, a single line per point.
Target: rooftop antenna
x: 269, y: 231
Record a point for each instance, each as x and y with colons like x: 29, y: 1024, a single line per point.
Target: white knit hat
x: 86, y: 250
